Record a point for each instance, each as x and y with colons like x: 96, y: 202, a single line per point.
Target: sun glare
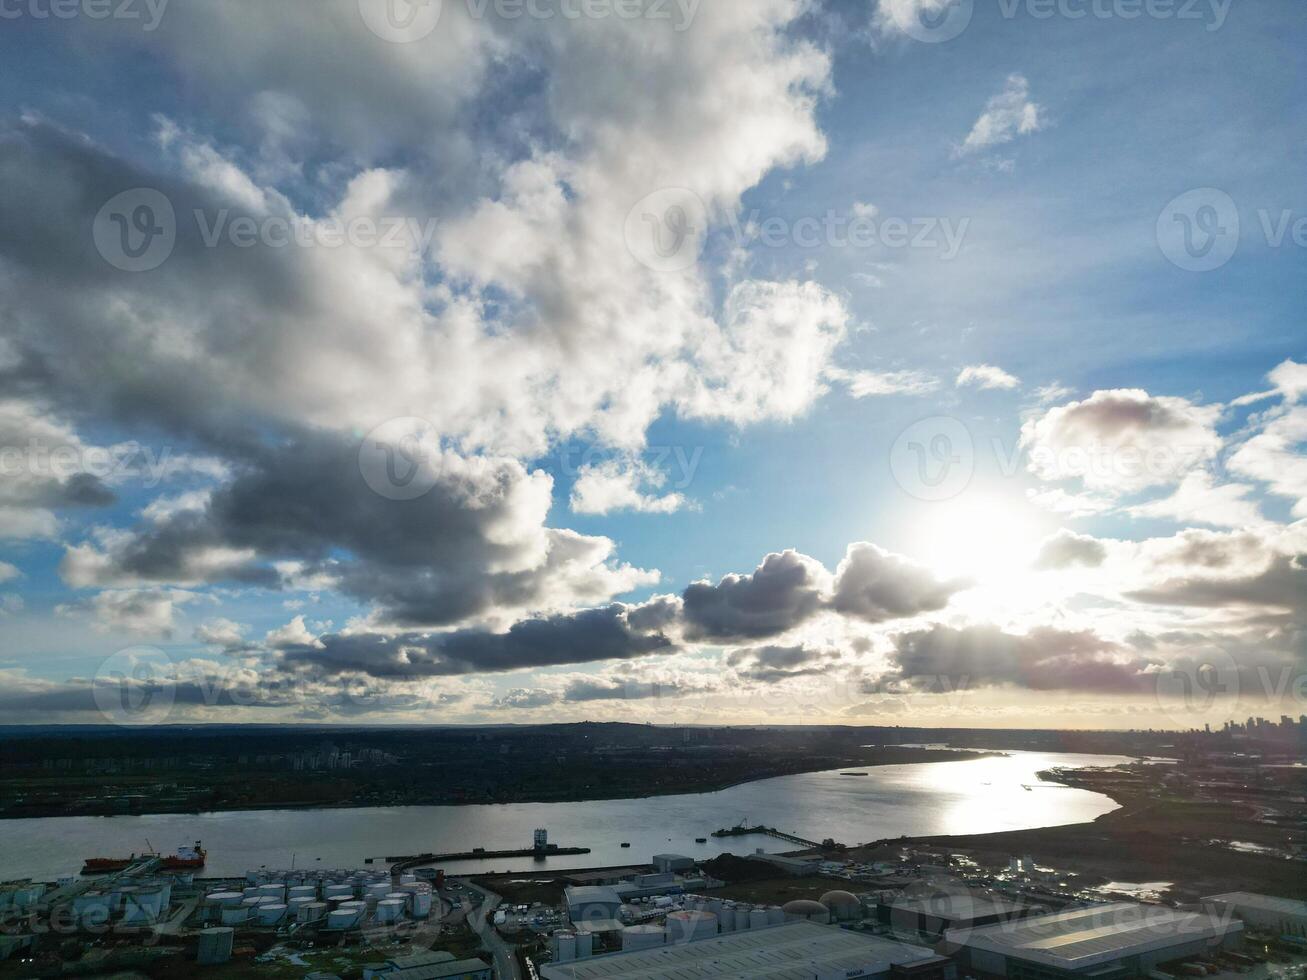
x: 979, y: 535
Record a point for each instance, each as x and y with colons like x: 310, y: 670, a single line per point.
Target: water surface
x: 974, y: 796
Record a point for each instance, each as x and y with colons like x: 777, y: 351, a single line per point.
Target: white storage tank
x: 302, y: 891
x: 758, y: 919
x: 688, y: 927
x: 215, y: 946
x: 775, y: 915
x: 727, y: 918
x: 390, y: 910
x: 338, y: 891
x: 271, y: 914
x: 311, y: 912
x: 585, y: 945
x: 234, y: 916
x: 277, y: 891
x: 563, y: 946
x: 343, y: 919
x: 91, y: 908
x: 421, y: 907
x: 380, y: 890
x: 224, y: 900
x: 142, y: 906
x: 641, y: 937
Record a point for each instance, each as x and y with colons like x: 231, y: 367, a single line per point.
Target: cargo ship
x: 187, y: 858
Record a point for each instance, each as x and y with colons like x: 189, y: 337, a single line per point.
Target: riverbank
x: 1183, y: 842
x: 659, y: 782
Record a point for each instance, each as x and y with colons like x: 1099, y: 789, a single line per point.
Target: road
x: 481, y: 920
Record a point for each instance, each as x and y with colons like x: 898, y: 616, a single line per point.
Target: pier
x: 742, y: 831
x: 406, y: 862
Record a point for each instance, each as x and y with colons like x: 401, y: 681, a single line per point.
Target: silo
x: 215, y: 946
x: 743, y: 917
x: 775, y: 915
x: 688, y: 927
x: 91, y: 909
x: 234, y: 916
x: 641, y: 937
x: 563, y: 946
x: 758, y: 919
x: 390, y: 910
x: 421, y: 905
x: 585, y: 945
x: 311, y: 912
x: 727, y: 918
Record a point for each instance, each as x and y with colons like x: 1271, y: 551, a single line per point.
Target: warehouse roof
x: 1264, y: 903
x: 953, y: 905
x: 1085, y: 937
x: 440, y: 971
x: 591, y: 895
x: 793, y: 951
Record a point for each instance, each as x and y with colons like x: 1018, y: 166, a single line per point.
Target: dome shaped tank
x: 844, y: 906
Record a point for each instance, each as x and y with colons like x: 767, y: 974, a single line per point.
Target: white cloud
x: 869, y: 384
x: 1277, y: 456
x: 615, y: 485
x: 1007, y: 115
x: 8, y: 572
x: 986, y: 376
x: 1198, y: 500
x: 139, y: 612
x: 1121, y: 441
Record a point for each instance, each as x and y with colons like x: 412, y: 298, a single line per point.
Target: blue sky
x: 601, y: 426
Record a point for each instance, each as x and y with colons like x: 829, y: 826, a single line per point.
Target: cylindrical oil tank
x: 757, y: 918
x: 641, y: 937
x: 743, y: 914
x: 727, y: 918
x: 585, y: 945
x: 421, y: 907
x: 250, y: 891
x: 343, y: 919
x: 378, y: 890
x: 277, y: 891
x: 271, y: 914
x: 775, y: 915
x: 142, y: 906
x: 234, y: 916
x: 390, y: 910
x: 91, y: 908
x: 215, y: 946
x: 224, y: 900
x: 688, y: 927
x: 563, y: 946
x: 338, y: 891
x: 302, y: 891
x: 311, y: 912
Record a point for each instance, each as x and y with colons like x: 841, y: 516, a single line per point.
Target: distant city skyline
x: 779, y: 362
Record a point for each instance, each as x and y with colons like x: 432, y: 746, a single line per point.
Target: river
x: 974, y: 796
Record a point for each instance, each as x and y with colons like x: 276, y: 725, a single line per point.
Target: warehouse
x: 794, y: 951
x: 1282, y: 916
x: 934, y: 911
x: 592, y: 902
x: 1106, y: 942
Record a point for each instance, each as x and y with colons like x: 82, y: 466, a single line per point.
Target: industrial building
x: 592, y: 903
x: 792, y: 951
x: 1282, y: 916
x: 1105, y: 942
x: 932, y: 911
x: 669, y: 863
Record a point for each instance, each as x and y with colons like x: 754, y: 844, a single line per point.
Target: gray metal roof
x: 591, y: 895
x: 1080, y: 938
x: 793, y: 951
x: 1263, y: 903
x: 440, y: 971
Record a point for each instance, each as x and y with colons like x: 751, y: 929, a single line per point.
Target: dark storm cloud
x: 584, y: 637
x: 1283, y: 584
x: 772, y: 664
x: 875, y: 586
x: 784, y: 591
x: 1045, y: 659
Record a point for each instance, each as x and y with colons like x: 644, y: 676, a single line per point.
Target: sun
x: 980, y: 535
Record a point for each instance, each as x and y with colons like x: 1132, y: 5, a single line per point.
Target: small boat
x: 626, y: 843
x: 186, y: 859
x: 701, y: 840
x: 853, y: 774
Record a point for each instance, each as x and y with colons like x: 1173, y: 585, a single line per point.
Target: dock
x: 405, y: 862
x: 769, y: 832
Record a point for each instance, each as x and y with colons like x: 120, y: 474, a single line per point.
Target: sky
x: 917, y: 362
